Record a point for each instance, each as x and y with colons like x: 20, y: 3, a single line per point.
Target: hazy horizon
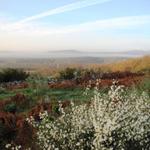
x: 73, y: 54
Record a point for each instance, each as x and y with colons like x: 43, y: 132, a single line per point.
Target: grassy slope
x: 134, y: 65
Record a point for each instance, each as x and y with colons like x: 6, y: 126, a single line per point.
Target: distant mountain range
x: 73, y: 53
x: 138, y: 52
x: 76, y: 53
x: 57, y: 59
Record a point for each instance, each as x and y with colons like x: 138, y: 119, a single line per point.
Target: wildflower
x: 7, y: 145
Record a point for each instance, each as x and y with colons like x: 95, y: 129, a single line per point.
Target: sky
x: 86, y: 25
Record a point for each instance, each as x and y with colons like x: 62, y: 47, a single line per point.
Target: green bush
x: 12, y: 108
x: 67, y: 74
x: 70, y: 73
x: 10, y: 75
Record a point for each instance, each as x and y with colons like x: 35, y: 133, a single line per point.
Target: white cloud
x: 38, y: 29
x: 113, y: 23
x: 102, y: 25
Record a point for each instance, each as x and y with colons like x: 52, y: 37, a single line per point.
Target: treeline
x: 10, y: 75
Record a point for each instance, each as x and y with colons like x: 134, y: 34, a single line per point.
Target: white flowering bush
x: 113, y: 121
x: 13, y: 147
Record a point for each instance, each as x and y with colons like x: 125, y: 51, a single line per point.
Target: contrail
x: 65, y: 8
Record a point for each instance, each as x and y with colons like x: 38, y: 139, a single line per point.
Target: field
x: 102, y: 107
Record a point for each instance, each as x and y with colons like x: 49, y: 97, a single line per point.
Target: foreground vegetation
x: 115, y: 120
x: 75, y: 108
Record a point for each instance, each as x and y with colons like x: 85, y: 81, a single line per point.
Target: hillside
x: 133, y: 65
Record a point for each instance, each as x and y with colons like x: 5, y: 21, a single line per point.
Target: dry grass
x: 133, y: 65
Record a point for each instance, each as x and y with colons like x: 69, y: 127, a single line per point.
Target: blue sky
x: 98, y: 25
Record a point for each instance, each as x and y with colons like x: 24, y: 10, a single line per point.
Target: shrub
x: 113, y: 121
x: 10, y: 75
x: 12, y: 108
x: 68, y: 73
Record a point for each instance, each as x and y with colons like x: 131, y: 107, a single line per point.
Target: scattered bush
x: 69, y: 73
x: 10, y: 75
